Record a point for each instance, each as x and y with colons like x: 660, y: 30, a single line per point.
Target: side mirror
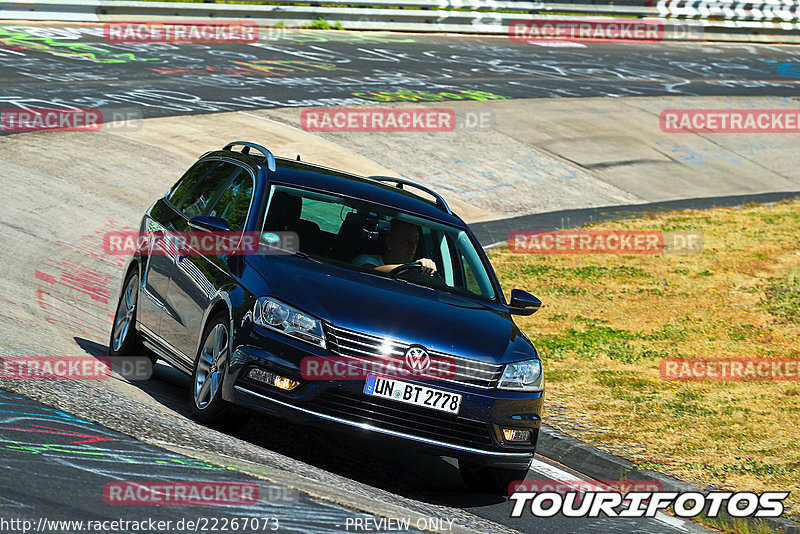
x: 209, y: 224
x: 523, y: 303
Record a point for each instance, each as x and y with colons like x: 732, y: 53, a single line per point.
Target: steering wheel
x: 413, y: 266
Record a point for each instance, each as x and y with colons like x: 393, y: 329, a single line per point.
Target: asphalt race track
x: 59, y: 293
x: 75, y: 457
x: 73, y: 66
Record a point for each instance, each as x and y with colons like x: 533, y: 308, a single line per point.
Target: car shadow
x: 388, y: 465
x: 167, y: 385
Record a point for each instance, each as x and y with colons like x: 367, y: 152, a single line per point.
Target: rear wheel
x: 489, y: 479
x: 208, y: 406
x: 125, y: 339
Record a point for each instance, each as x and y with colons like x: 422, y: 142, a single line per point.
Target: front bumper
x: 474, y: 434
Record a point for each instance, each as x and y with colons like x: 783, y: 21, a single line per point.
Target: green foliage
x: 588, y: 272
x: 587, y: 343
x: 561, y: 375
x: 622, y: 379
x: 322, y: 24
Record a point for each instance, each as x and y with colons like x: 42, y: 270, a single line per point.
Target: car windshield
x: 379, y: 240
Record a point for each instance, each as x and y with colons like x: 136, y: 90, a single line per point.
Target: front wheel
x: 489, y: 479
x: 208, y: 406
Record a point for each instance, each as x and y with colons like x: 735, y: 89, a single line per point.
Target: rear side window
x: 215, y: 188
x: 190, y: 180
x: 329, y: 216
x: 234, y: 202
x: 199, y: 198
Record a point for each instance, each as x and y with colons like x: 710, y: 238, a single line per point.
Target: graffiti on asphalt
x: 30, y: 428
x: 403, y: 95
x: 20, y: 40
x: 307, y: 68
x: 790, y: 70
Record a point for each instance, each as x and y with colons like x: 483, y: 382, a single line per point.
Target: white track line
x: 556, y: 473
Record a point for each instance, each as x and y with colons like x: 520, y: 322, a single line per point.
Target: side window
x: 189, y: 181
x: 198, y: 198
x: 328, y: 216
x: 425, y: 247
x: 476, y: 278
x: 234, y: 202
x: 445, y: 250
x: 469, y: 277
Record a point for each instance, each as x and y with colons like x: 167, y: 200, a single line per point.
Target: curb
x: 600, y: 465
x: 496, y: 232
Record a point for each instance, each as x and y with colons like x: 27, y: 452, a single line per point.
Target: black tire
x: 207, y: 405
x: 484, y: 479
x: 125, y: 340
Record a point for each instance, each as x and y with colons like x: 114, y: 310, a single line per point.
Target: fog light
x: 272, y: 379
x: 285, y: 383
x: 511, y: 434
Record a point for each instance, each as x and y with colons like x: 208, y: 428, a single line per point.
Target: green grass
x: 322, y: 24
x: 589, y: 272
x: 782, y: 297
x: 737, y: 525
x: 608, y: 322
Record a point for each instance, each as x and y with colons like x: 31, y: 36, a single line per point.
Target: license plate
x: 398, y: 390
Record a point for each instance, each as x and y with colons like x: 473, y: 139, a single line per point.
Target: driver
x: 401, y: 245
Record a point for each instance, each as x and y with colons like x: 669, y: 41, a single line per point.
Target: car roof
x: 302, y: 174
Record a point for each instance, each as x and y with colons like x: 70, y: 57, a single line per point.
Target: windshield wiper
x: 306, y: 256
x: 299, y: 254
x: 407, y: 281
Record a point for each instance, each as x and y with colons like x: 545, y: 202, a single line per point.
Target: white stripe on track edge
x: 556, y: 473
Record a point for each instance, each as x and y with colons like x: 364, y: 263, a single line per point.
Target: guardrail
x: 775, y: 21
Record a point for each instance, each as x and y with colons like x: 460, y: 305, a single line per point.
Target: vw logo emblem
x: 417, y: 359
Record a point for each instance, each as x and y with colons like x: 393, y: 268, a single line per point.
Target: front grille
x: 414, y: 420
x: 368, y: 348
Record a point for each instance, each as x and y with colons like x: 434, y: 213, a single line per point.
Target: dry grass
x: 608, y: 320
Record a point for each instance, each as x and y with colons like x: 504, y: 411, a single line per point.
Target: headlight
x: 275, y: 315
x: 523, y: 376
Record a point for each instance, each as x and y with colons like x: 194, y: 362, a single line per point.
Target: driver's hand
x: 428, y: 266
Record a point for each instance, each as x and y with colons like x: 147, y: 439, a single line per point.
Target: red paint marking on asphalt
x: 49, y: 278
x: 61, y: 432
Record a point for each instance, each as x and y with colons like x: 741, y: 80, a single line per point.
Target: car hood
x: 384, y: 307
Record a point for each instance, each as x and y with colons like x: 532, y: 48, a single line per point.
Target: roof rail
x: 268, y: 157
x: 400, y: 182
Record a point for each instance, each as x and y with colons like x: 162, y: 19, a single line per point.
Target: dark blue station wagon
x: 381, y: 270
